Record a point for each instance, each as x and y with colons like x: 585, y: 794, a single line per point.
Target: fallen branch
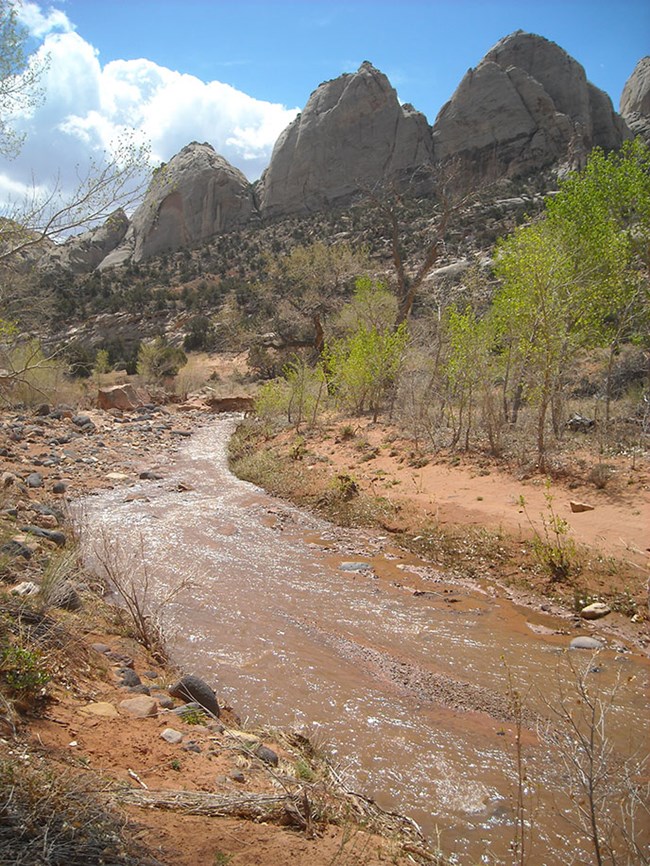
x: 255, y: 807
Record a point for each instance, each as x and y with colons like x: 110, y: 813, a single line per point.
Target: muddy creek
x: 400, y: 671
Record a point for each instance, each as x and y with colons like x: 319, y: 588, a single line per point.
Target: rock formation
x: 635, y: 99
x: 527, y: 105
x: 84, y: 252
x: 353, y: 133
x: 196, y: 196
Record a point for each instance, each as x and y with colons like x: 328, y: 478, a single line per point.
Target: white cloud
x: 41, y: 23
x: 87, y: 107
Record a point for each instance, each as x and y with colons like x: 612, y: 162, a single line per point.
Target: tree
x: 363, y: 365
x: 19, y: 80
x: 575, y: 279
x: 534, y: 317
x: 603, y: 213
x: 107, y: 182
x: 398, y: 210
x: 309, y: 283
x: 157, y: 360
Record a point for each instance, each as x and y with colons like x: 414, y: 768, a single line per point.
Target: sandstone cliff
x: 196, y: 196
x: 635, y: 99
x: 84, y: 252
x: 527, y: 105
x: 353, y: 133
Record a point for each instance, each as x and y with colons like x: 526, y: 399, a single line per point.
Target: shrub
x: 157, y: 360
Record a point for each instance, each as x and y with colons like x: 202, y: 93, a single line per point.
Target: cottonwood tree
x: 308, y: 285
x: 575, y: 279
x: 397, y: 210
x: 362, y: 366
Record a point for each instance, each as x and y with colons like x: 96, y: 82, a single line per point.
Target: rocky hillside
x: 527, y: 109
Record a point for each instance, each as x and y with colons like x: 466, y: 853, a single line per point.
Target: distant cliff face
x: 196, y: 196
x: 635, y: 99
x: 353, y: 133
x: 84, y: 252
x: 527, y: 105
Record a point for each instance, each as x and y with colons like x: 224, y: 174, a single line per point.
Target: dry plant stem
x: 599, y: 777
x: 523, y: 840
x: 129, y: 577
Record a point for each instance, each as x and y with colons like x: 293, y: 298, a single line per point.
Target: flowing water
x: 402, y: 672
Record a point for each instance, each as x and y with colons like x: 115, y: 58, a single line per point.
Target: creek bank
x: 342, y: 479
x: 107, y: 709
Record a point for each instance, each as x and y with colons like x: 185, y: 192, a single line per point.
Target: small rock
x: 100, y: 647
x: 192, y: 746
x: 128, y: 677
x: 16, y: 548
x: 59, y: 487
x: 238, y: 776
x: 50, y: 534
x: 140, y: 690
x: 596, y: 610
x: 267, y: 755
x: 141, y: 707
x: 585, y: 642
x: 171, y: 736
x: 577, y: 507
x: 35, y: 479
x: 355, y: 566
x: 26, y: 588
x: 164, y: 701
x: 150, y: 675
x: 119, y: 658
x: 150, y: 476
x: 66, y: 596
x: 192, y: 688
x: 116, y: 476
x: 83, y: 422
x: 42, y: 410
x: 192, y: 707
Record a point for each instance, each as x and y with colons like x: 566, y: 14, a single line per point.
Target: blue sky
x: 236, y: 73
x: 280, y: 50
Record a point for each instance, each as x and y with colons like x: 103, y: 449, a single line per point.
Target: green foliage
x: 306, y: 286
x: 576, y: 279
x: 200, y: 335
x: 102, y: 362
x: 553, y: 546
x: 298, y: 394
x: 363, y: 365
x: 22, y: 670
x: 157, y: 360
x: 29, y: 375
x: 304, y: 771
x: 272, y: 400
x: 194, y: 717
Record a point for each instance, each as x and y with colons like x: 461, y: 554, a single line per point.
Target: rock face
x: 196, y: 196
x: 527, y: 105
x: 352, y: 133
x: 84, y: 252
x: 635, y: 99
